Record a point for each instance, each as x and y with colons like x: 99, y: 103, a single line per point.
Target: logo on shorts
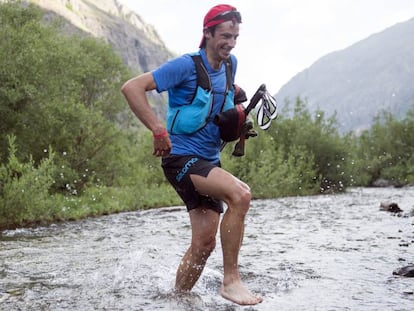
x: 185, y: 168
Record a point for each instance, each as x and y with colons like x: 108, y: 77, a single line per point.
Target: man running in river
x: 190, y: 150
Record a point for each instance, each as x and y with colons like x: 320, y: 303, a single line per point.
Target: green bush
x: 387, y: 149
x: 313, y: 139
x: 24, y: 189
x: 270, y: 170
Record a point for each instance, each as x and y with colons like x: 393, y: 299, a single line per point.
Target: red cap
x: 219, y: 14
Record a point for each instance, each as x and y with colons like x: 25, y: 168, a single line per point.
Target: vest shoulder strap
x: 229, y: 74
x: 203, y: 78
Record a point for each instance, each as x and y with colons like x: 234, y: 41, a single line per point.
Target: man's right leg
x: 204, y: 224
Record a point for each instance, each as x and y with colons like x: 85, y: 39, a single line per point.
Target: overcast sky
x: 278, y: 38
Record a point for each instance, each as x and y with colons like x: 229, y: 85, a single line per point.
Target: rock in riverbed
x: 407, y: 271
x: 391, y: 207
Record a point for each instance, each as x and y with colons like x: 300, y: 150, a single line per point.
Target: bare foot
x: 237, y: 293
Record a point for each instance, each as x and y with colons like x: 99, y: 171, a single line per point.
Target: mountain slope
x: 138, y: 43
x: 358, y: 82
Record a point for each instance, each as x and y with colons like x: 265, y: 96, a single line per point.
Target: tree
x: 387, y: 149
x: 319, y: 138
x: 60, y: 91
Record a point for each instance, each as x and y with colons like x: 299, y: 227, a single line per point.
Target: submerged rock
x: 381, y: 182
x: 407, y: 271
x: 391, y: 207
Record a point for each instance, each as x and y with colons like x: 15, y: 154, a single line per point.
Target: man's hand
x: 162, y: 143
x: 248, y: 130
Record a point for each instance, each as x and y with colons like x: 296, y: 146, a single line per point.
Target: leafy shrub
x: 24, y: 189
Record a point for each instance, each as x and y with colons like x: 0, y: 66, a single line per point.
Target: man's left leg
x: 224, y: 186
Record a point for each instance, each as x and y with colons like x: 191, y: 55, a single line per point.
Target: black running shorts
x: 178, y: 169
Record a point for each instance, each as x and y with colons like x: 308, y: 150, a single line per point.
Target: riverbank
x: 100, y: 202
x: 94, y: 202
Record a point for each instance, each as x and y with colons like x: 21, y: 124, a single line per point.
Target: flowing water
x: 331, y: 252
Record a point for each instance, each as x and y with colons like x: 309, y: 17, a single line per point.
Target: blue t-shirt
x: 178, y: 77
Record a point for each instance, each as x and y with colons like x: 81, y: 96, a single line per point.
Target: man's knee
x: 240, y: 200
x: 204, y: 246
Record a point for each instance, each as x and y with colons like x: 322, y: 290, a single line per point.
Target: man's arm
x: 134, y: 91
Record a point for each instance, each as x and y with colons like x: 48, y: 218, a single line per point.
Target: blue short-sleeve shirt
x: 178, y: 77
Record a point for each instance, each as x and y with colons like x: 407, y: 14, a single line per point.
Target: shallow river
x: 333, y: 252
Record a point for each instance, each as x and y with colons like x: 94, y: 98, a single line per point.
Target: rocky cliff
x: 138, y: 43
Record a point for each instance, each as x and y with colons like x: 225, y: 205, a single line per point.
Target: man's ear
x: 207, y: 33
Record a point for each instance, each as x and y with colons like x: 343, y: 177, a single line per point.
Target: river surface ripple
x: 330, y: 252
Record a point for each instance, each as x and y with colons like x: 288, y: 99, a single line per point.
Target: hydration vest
x: 188, y: 119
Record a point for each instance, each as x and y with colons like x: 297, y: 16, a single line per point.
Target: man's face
x: 223, y: 41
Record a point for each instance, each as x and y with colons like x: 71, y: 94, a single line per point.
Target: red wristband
x: 161, y: 135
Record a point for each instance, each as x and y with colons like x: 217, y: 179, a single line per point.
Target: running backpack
x: 188, y: 119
